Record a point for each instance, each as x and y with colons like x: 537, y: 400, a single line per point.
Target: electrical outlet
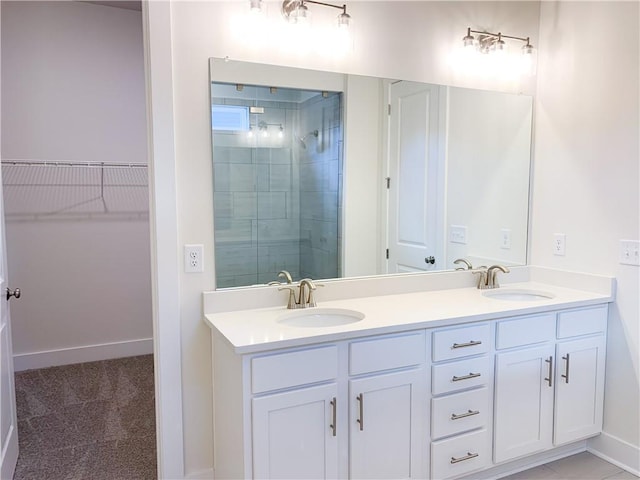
x: 193, y: 259
x: 458, y: 234
x: 559, y: 240
x: 629, y: 252
x: 505, y: 238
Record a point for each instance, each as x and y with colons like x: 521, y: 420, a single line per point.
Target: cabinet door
x: 579, y: 389
x: 387, y: 425
x: 294, y: 434
x: 523, y: 402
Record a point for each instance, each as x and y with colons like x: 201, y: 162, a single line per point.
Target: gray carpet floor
x: 87, y: 421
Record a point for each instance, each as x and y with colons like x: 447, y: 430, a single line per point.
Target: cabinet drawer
x: 526, y: 331
x: 461, y: 342
x: 582, y: 322
x: 459, y: 412
x: 386, y: 353
x: 454, y: 376
x: 459, y: 455
x: 291, y: 369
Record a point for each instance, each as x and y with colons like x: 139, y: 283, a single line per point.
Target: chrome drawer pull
x: 334, y: 408
x: 468, y: 456
x: 360, y: 420
x: 566, y: 371
x: 465, y: 377
x: 550, y: 378
x: 470, y: 413
x: 472, y: 343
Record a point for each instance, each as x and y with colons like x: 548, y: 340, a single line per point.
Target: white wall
x: 409, y: 40
x: 586, y: 178
x: 488, y: 160
x: 73, y: 89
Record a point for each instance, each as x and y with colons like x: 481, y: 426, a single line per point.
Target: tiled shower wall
x: 275, y: 205
x: 320, y: 187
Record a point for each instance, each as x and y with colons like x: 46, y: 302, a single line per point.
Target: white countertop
x: 256, y: 330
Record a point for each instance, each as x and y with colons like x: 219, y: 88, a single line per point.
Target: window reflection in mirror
x: 277, y: 156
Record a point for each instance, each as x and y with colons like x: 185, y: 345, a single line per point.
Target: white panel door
x: 8, y: 420
x: 416, y: 159
x: 387, y: 425
x: 523, y: 413
x: 295, y: 435
x: 579, y: 389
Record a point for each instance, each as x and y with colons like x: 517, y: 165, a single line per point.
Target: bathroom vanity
x: 428, y: 384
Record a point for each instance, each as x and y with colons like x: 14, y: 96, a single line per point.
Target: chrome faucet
x: 492, y: 275
x: 305, y: 297
x: 282, y: 274
x: 466, y: 262
x: 488, y: 276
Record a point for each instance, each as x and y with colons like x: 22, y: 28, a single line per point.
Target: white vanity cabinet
x: 302, y: 413
x: 536, y: 405
x: 387, y: 390
x: 461, y: 383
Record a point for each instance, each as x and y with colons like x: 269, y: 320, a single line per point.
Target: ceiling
x: 127, y: 4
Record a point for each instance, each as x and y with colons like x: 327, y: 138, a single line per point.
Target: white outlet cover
x: 505, y: 238
x: 629, y: 252
x: 559, y: 243
x: 194, y: 258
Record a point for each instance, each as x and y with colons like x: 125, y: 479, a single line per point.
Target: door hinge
x: 387, y: 254
x: 388, y: 179
x: 388, y: 109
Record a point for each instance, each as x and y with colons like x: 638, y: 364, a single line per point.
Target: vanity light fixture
x: 493, y: 43
x: 296, y: 11
x: 263, y: 129
x: 255, y: 6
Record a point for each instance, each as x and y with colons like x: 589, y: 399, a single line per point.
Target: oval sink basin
x: 320, y: 317
x: 518, y: 295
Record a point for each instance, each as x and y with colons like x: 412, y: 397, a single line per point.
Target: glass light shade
x: 255, y: 6
x: 344, y: 20
x: 300, y: 14
x: 468, y: 41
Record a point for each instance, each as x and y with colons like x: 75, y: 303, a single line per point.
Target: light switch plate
x: 630, y: 252
x: 458, y: 234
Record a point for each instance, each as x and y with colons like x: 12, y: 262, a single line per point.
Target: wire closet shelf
x: 37, y: 190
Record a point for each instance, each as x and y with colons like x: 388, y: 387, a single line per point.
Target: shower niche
x: 277, y: 167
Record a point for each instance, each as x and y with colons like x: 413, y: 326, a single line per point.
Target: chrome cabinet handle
x: 360, y: 420
x: 468, y: 456
x: 15, y: 293
x: 471, y: 343
x: 334, y: 413
x: 465, y: 377
x: 550, y: 377
x: 457, y: 416
x: 566, y: 370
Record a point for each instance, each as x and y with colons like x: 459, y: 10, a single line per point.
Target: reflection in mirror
x: 431, y: 174
x: 277, y: 156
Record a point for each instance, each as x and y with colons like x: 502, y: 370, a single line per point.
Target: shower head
x: 301, y: 140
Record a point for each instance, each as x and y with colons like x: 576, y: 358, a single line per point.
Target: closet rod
x: 56, y: 163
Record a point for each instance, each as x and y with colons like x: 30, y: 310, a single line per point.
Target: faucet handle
x: 292, y: 303
x: 483, y: 277
x: 311, y: 301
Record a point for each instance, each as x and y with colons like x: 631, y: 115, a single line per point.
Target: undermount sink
x: 517, y: 294
x: 320, y: 317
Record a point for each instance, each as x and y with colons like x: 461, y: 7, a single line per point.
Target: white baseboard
x: 617, y: 451
x: 202, y: 475
x: 85, y: 353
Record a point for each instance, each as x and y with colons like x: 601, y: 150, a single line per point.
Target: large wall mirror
x: 330, y: 175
